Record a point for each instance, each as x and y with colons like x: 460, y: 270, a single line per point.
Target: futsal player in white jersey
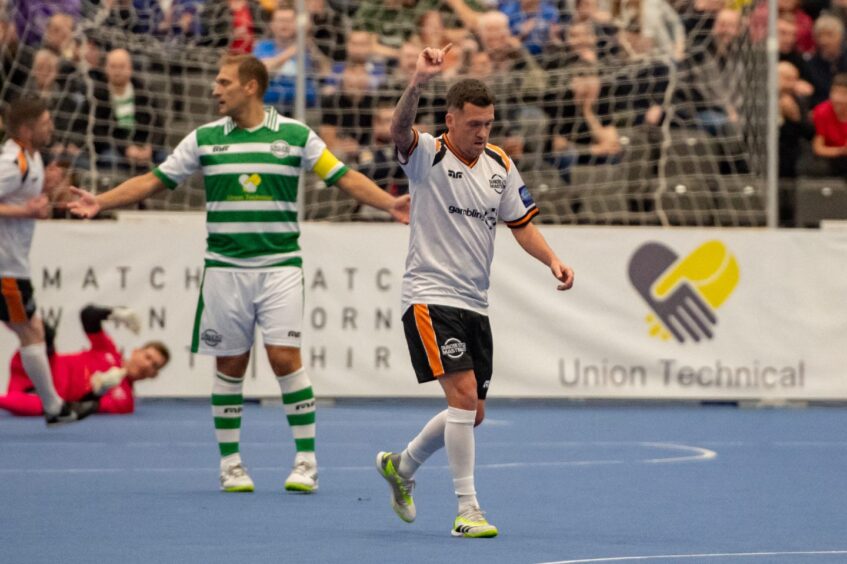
x: 30, y: 129
x: 461, y: 186
x: 251, y: 161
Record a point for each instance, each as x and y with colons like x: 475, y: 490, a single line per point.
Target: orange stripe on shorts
x: 427, y: 333
x: 14, y: 300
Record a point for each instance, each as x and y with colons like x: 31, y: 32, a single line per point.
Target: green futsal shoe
x: 401, y: 488
x: 471, y: 523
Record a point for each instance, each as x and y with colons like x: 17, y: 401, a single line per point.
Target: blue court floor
x: 564, y: 483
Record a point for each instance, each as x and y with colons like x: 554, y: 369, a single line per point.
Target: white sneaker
x: 303, y: 478
x: 234, y: 478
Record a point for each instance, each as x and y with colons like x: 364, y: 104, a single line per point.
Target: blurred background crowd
x: 610, y: 106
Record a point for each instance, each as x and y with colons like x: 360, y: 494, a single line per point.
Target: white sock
x: 461, y: 453
x: 427, y: 442
x: 230, y: 459
x: 37, y: 367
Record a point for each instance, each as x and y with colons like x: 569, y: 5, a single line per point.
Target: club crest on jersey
x: 280, y: 148
x: 250, y: 182
x: 497, y: 183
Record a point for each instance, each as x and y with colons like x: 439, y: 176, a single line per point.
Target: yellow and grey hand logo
x: 683, y: 292
x: 250, y: 182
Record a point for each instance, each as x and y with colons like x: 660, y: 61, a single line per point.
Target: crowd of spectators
x: 573, y: 78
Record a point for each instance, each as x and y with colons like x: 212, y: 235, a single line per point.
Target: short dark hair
x: 839, y: 80
x: 24, y: 110
x: 249, y: 68
x: 161, y: 347
x: 469, y: 90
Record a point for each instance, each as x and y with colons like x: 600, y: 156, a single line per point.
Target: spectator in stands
x: 13, y: 75
x: 588, y: 11
x: 129, y: 16
x: 127, y: 118
x: 233, y: 24
x: 650, y: 27
x: 830, y: 57
x: 581, y: 125
x: 99, y: 373
x: 66, y: 102
x: 830, y: 119
x: 838, y: 9
x: 518, y: 82
x: 180, y: 24
x: 279, y: 54
x: 535, y: 22
x: 391, y: 22
x: 347, y: 114
x: 328, y: 29
x: 32, y: 16
x: 598, y: 23
x: 509, y: 58
x: 59, y: 36
x: 788, y: 9
x: 723, y: 47
x: 432, y: 33
x: 786, y: 35
x: 795, y: 129
x: 378, y: 162
x: 582, y: 45
x: 359, y: 54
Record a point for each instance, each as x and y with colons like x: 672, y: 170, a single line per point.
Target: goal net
x: 606, y: 125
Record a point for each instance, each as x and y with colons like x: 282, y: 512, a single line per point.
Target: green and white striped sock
x: 227, y: 404
x: 299, y: 403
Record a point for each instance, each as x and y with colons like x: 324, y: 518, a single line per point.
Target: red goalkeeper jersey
x: 72, y: 376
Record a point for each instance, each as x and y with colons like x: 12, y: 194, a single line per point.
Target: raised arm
x: 365, y: 191
x: 533, y: 242
x: 430, y: 62
x: 131, y: 191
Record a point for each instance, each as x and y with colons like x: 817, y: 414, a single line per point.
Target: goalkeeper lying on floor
x: 98, y: 373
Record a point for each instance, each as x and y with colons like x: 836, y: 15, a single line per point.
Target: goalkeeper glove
x: 102, y: 382
x: 126, y: 316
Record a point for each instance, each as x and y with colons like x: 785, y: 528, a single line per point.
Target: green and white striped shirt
x: 251, y: 178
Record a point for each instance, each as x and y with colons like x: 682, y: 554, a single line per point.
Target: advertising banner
x: 654, y: 313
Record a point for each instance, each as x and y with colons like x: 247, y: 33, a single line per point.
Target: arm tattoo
x: 404, y: 117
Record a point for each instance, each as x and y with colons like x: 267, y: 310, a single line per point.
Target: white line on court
x: 706, y: 555
x: 699, y: 454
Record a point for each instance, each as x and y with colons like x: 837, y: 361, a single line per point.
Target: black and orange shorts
x: 445, y: 339
x: 17, y: 304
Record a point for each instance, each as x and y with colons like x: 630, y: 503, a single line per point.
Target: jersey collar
x: 469, y: 164
x: 271, y: 121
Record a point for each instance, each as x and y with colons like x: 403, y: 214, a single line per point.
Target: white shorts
x: 233, y: 302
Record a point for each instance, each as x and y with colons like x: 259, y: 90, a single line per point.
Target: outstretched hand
x: 563, y: 274
x: 400, y: 209
x: 85, y: 206
x: 430, y: 63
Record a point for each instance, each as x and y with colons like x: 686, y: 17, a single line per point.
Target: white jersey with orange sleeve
x: 454, y: 212
x: 21, y: 179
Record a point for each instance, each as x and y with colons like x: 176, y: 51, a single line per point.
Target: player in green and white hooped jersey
x: 251, y: 161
